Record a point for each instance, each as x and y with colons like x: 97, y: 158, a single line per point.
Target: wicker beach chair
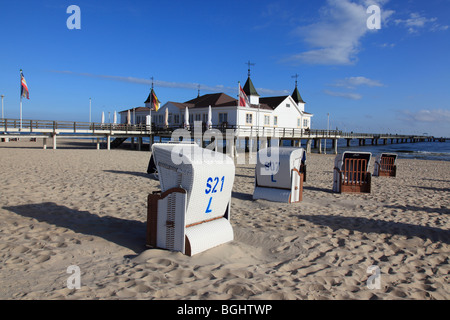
x: 351, y: 172
x: 191, y: 212
x: 385, y: 165
x: 278, y: 174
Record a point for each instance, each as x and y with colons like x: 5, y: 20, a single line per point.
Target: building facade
x: 280, y: 111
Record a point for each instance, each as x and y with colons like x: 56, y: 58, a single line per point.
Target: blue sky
x: 394, y: 79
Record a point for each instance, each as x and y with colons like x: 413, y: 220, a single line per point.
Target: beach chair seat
x: 385, y: 165
x: 191, y: 212
x: 278, y: 174
x: 351, y: 172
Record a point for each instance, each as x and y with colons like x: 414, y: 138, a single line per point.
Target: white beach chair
x: 191, y: 212
x: 351, y: 172
x: 385, y: 165
x: 278, y: 175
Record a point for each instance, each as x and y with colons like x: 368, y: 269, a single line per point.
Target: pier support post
x: 98, y: 143
x: 44, y: 143
x: 320, y: 145
x: 108, y: 142
x: 263, y: 142
x: 348, y: 142
x: 308, y: 145
x: 151, y: 142
x: 54, y: 141
x: 335, y: 145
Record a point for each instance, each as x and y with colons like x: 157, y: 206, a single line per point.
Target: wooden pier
x: 115, y: 134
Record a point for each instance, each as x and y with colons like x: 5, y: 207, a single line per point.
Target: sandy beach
x: 87, y: 207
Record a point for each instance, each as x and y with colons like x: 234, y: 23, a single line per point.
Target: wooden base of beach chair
x: 363, y: 187
x: 166, y: 227
x: 388, y: 173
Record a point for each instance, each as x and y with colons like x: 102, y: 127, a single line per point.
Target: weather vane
x: 296, y: 77
x: 249, y: 64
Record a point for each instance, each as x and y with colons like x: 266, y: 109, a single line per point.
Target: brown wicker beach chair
x: 351, y: 172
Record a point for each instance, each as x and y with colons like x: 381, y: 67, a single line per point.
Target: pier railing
x: 95, y: 128
x: 50, y: 126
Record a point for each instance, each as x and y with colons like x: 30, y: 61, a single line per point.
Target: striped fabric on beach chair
x: 351, y: 172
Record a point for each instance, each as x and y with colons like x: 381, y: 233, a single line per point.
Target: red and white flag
x: 243, y: 99
x: 23, y: 87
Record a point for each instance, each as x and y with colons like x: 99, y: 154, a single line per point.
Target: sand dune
x: 88, y: 208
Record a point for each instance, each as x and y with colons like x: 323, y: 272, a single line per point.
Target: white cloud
x: 416, y: 22
x: 335, y: 38
x: 353, y: 82
x: 425, y: 115
x: 169, y: 84
x: 346, y: 95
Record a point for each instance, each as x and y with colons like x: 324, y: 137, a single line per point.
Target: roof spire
x: 296, y: 94
x: 198, y: 94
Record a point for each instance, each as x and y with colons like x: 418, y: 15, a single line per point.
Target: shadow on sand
x: 365, y: 225
x: 126, y: 233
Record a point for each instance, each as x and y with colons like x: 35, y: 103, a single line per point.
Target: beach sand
x: 87, y: 207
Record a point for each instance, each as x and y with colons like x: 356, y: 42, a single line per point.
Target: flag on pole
x: 155, y: 102
x: 243, y: 99
x: 23, y: 86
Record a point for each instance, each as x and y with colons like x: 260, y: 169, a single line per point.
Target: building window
x: 205, y: 117
x: 160, y: 118
x: 198, y: 117
x: 275, y: 120
x: 299, y: 122
x: 305, y: 123
x: 288, y: 105
x: 248, y: 118
x: 266, y: 120
x: 176, y: 118
x: 223, y: 117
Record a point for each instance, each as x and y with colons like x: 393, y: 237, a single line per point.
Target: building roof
x: 213, y: 100
x: 272, y: 102
x: 296, y: 96
x: 249, y: 88
x: 137, y: 109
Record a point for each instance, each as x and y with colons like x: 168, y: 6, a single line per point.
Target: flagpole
x: 20, y: 113
x: 151, y: 105
x: 20, y: 109
x: 237, y: 109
